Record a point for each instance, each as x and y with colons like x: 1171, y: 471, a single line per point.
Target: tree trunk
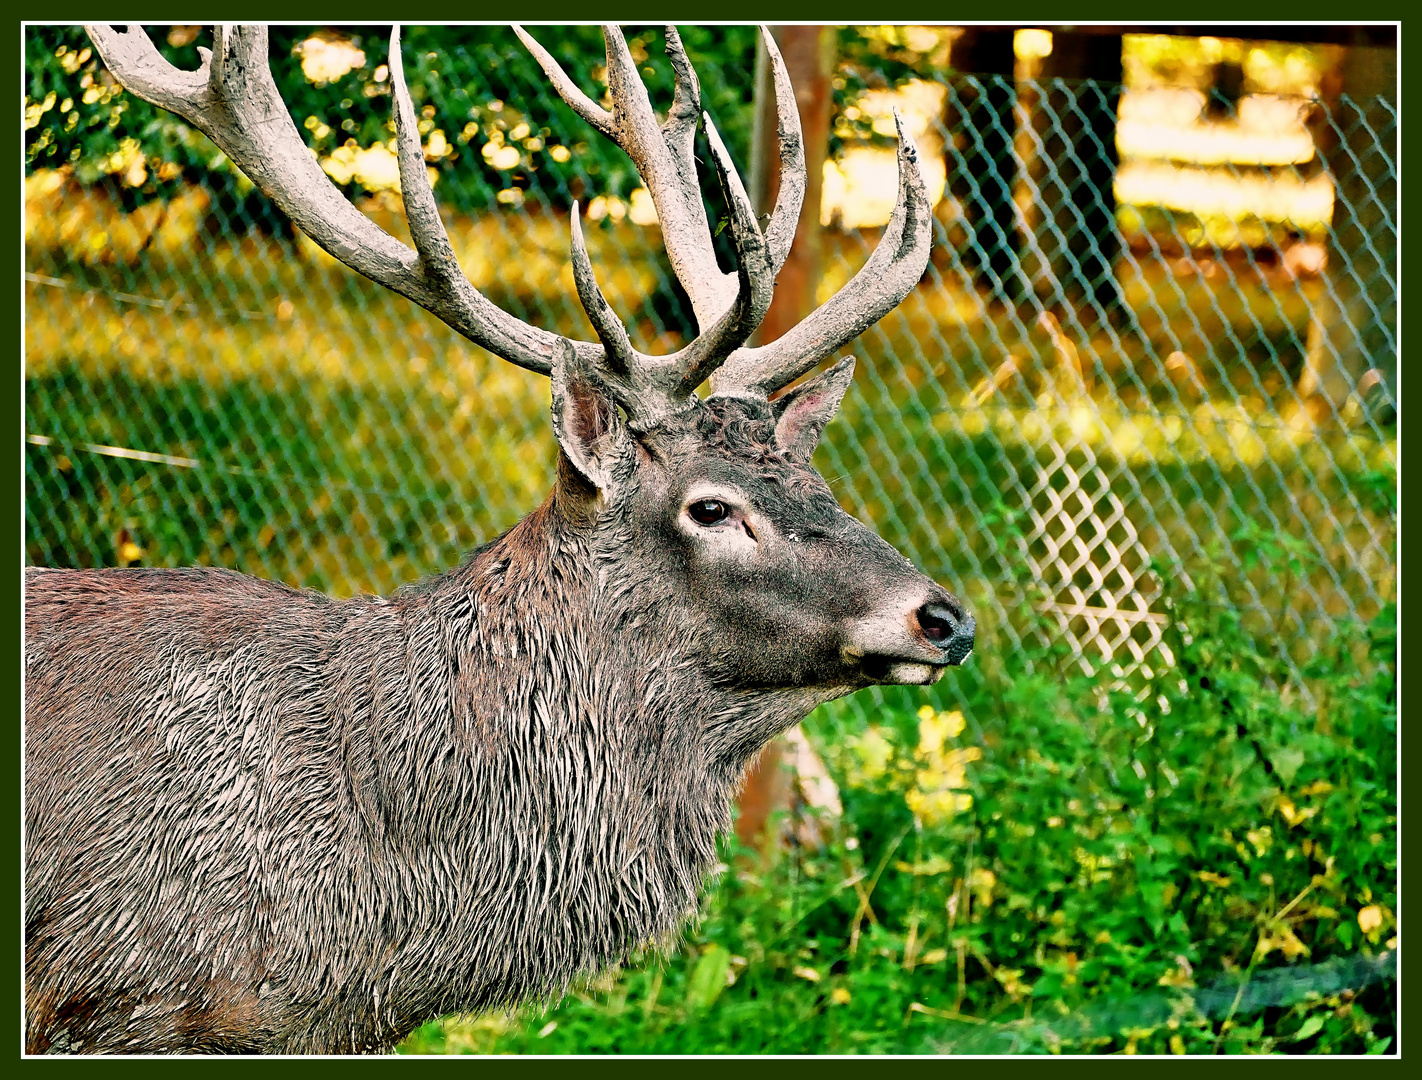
x: 1354, y: 328
x: 1076, y: 238
x: 809, y: 54
x: 982, y: 167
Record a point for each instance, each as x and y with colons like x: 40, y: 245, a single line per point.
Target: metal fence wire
x: 1122, y: 360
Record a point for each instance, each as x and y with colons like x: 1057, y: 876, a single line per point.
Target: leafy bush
x: 1201, y: 863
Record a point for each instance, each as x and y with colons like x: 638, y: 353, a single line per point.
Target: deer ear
x: 587, y: 422
x: 803, y: 411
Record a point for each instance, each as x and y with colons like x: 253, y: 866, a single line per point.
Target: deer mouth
x: 897, y: 671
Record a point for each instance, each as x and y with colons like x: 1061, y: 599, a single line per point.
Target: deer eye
x: 708, y: 511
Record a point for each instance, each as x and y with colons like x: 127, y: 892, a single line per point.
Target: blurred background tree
x: 483, y: 148
x: 480, y: 142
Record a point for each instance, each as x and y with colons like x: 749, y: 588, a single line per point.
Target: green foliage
x: 876, y: 58
x: 464, y: 82
x: 1123, y: 844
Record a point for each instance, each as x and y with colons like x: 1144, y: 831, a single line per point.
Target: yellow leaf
x: 1370, y: 918
x: 1291, y: 813
x: 1213, y: 878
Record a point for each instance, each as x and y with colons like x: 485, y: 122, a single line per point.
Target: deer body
x: 353, y: 816
x: 262, y: 820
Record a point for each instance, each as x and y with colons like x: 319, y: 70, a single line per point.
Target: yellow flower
x: 981, y: 881
x: 933, y: 799
x: 934, y: 728
x: 1011, y: 981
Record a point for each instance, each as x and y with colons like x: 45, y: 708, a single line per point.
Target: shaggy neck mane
x: 551, y: 764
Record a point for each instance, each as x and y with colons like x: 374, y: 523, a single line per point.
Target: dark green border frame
x: 1027, y: 12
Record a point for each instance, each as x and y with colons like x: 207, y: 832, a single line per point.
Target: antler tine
x: 150, y: 76
x: 665, y: 159
x: 755, y: 274
x: 780, y: 232
x: 568, y: 90
x: 620, y: 356
x: 421, y: 212
x: 686, y: 98
x: 881, y: 284
x: 233, y: 99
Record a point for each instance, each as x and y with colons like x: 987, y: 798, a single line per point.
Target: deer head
x: 710, y: 504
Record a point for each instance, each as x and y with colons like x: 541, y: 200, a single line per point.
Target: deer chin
x: 909, y: 673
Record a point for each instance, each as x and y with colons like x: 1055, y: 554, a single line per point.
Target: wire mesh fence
x: 1125, y: 356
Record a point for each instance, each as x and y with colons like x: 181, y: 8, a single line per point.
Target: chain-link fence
x: 1129, y: 349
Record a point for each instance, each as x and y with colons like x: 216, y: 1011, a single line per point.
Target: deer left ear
x: 803, y: 411
x: 588, y: 424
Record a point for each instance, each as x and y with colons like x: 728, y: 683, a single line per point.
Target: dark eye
x: 708, y: 511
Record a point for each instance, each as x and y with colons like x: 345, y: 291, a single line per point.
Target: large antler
x: 233, y: 99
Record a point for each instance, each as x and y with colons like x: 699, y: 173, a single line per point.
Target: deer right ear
x: 802, y: 412
x: 588, y: 424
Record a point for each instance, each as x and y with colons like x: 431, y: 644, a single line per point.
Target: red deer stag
x: 263, y: 820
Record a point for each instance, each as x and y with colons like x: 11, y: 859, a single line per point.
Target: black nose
x: 950, y: 628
